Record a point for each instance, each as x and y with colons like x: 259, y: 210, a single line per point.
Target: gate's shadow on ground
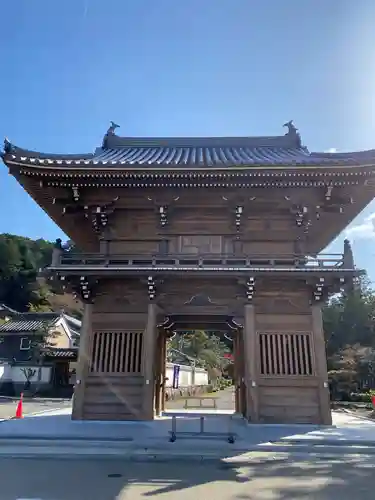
x: 313, y: 478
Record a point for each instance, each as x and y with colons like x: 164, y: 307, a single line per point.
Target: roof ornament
x: 293, y: 132
x: 8, y: 148
x: 112, y: 128
x: 110, y: 132
x: 348, y: 259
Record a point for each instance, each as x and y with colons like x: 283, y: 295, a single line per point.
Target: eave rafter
x: 250, y: 177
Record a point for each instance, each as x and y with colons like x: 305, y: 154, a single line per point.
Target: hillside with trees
x: 21, y: 286
x: 349, y: 319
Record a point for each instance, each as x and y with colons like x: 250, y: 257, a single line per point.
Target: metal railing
x: 67, y: 259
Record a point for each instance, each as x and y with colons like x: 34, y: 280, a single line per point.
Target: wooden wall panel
x: 121, y: 302
x: 200, y: 243
x: 114, y: 397
x: 280, y: 224
x: 282, y: 301
x: 267, y: 247
x: 134, y: 247
x: 289, y: 404
x: 200, y: 221
x: 283, y: 322
x: 135, y: 224
x: 178, y: 292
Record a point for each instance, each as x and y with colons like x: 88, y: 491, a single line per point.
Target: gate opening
x: 200, y: 367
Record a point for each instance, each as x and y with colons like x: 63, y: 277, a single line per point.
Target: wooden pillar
x: 157, y: 376
x: 243, y: 396
x: 250, y: 366
x: 321, y: 364
x: 160, y: 373
x: 149, y: 345
x: 83, y: 364
x: 237, y: 373
x: 163, y: 369
x: 56, y: 255
x: 241, y: 375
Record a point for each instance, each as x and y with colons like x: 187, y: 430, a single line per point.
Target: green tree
x: 42, y: 341
x: 349, y: 319
x: 349, y: 326
x: 207, y: 349
x: 21, y: 288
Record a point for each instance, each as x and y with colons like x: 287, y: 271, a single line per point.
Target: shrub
x: 359, y: 397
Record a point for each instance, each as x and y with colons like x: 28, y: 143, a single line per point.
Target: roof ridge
x: 278, y: 141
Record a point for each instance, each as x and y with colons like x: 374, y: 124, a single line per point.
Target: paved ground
x: 267, y: 479
x: 8, y: 407
x: 225, y: 401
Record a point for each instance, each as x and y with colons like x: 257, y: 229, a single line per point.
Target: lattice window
x: 285, y: 354
x: 117, y: 352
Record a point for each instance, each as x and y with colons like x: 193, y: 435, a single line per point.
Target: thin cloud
x: 331, y: 150
x: 363, y: 231
x: 85, y: 8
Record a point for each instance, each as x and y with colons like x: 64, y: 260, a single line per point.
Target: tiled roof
x: 4, y: 308
x: 61, y: 353
x: 33, y: 322
x: 29, y: 322
x: 225, y: 156
x: 73, y: 324
x: 195, y: 152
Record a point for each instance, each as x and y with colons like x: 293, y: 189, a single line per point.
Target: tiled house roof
x: 34, y: 322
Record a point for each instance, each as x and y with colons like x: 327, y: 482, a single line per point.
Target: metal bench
x: 230, y: 436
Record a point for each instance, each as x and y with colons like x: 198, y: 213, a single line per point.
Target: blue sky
x: 169, y: 67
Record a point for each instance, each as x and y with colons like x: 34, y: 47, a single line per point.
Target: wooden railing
x: 203, y: 260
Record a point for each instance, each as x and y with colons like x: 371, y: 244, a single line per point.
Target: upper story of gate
x: 246, y: 197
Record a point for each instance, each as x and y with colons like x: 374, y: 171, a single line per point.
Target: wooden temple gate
x: 280, y: 373
x: 237, y: 223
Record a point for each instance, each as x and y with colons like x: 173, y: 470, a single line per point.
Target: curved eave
x: 27, y: 154
x: 85, y: 167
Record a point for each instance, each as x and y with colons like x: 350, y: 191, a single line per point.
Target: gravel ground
x: 225, y: 401
x: 357, y: 410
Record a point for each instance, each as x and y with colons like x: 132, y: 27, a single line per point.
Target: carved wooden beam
x: 335, y: 200
x: 164, y: 208
x: 319, y: 290
x: 250, y: 288
x: 151, y: 288
x: 238, y: 212
x: 99, y: 214
x: 83, y: 287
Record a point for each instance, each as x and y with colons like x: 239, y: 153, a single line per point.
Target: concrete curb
x: 163, y: 444
x: 34, y: 400
x: 325, y: 442
x: 236, y: 459
x: 8, y: 438
x: 162, y: 452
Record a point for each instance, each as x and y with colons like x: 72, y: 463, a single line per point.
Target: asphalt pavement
x: 263, y: 479
x: 8, y: 406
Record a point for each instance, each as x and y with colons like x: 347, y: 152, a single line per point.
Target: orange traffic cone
x: 19, y: 413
